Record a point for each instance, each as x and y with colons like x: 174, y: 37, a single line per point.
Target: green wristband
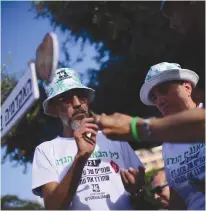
x: 134, y: 129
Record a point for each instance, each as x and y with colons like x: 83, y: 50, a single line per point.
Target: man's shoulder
x: 57, y: 142
x: 47, y: 144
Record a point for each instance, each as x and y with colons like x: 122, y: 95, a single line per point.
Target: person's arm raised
x: 60, y: 195
x: 185, y: 126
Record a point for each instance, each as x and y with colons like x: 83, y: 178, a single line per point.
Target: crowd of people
x: 92, y: 166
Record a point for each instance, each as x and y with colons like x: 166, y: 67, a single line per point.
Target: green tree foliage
x: 11, y: 202
x: 7, y: 85
x: 135, y: 32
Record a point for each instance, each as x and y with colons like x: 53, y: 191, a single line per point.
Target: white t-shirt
x: 182, y: 162
x: 100, y: 185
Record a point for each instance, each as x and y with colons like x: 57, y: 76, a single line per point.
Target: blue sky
x: 21, y: 34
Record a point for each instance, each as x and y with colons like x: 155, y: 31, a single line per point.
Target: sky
x: 20, y: 35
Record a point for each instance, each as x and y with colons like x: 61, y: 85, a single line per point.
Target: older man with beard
x: 81, y: 169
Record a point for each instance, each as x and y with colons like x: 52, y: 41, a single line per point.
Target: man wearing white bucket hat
x: 169, y: 87
x: 191, y: 122
x: 82, y: 169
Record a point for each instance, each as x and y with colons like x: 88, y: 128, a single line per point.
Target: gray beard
x: 75, y: 124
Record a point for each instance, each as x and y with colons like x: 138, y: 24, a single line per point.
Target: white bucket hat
x: 164, y: 72
x: 64, y: 80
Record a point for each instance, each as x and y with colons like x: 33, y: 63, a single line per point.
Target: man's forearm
x: 187, y: 126
x: 63, y: 194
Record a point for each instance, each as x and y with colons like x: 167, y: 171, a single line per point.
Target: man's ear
x: 52, y: 109
x: 188, y: 87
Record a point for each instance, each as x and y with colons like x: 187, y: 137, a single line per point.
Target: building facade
x: 151, y: 158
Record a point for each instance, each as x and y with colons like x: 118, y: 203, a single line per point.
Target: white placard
x: 23, y: 96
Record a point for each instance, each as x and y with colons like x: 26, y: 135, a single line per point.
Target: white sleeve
x: 42, y: 171
x: 130, y: 157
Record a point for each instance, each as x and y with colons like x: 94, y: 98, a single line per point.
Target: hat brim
x: 169, y: 75
x: 90, y: 97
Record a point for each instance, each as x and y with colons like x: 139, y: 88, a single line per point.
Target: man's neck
x: 191, y: 104
x: 67, y: 131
